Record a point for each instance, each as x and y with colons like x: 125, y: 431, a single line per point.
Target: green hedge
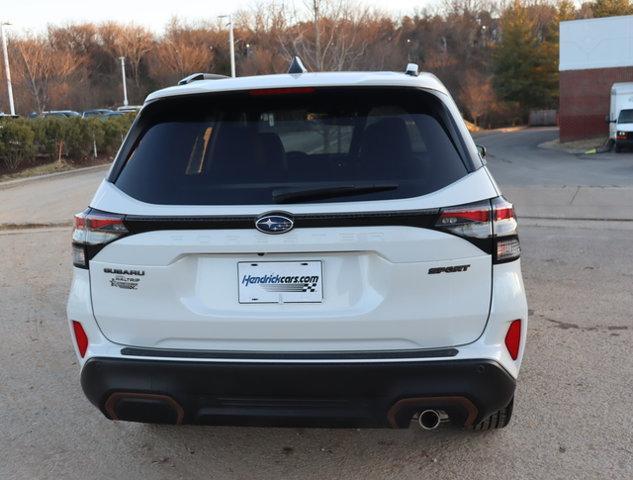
x: 17, y: 143
x: 27, y: 143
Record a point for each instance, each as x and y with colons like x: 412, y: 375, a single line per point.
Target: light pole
x: 125, y: 102
x: 7, y: 69
x: 231, y: 42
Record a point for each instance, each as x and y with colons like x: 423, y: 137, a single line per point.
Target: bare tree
x: 477, y: 95
x: 259, y: 31
x: 75, y: 65
x: 130, y: 41
x: 44, y: 68
x: 182, y: 51
x: 337, y: 39
x: 136, y: 43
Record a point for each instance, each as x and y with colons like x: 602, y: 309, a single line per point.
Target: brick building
x: 594, y: 54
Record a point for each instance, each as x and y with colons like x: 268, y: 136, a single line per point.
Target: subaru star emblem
x: 274, y: 223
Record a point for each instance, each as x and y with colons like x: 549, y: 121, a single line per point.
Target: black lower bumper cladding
x: 385, y: 394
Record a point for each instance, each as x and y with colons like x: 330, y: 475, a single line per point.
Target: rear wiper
x: 307, y: 194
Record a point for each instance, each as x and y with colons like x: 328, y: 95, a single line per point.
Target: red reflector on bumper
x: 81, y: 338
x: 513, y: 339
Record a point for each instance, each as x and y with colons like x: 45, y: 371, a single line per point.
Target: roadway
x: 544, y: 183
x: 516, y: 160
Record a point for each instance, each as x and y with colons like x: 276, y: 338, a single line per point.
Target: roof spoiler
x: 297, y: 66
x: 201, y: 76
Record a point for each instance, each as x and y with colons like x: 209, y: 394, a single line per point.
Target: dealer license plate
x: 280, y: 282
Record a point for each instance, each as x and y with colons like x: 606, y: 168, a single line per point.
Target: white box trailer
x: 621, y: 99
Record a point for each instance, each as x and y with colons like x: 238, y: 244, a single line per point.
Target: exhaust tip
x: 429, y: 419
x: 144, y: 407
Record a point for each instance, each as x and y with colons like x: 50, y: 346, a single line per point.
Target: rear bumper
x: 295, y: 394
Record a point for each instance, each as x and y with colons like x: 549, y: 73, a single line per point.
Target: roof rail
x: 412, y: 69
x: 201, y: 76
x: 297, y: 66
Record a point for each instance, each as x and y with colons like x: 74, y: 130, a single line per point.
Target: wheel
x: 499, y: 419
x: 617, y: 148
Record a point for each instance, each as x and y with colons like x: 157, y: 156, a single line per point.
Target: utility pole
x: 125, y: 102
x: 231, y: 42
x: 316, y: 5
x: 7, y: 69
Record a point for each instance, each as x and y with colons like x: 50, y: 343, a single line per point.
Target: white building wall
x: 596, y: 43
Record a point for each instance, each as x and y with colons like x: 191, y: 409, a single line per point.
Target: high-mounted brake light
x: 491, y: 225
x: 281, y: 91
x: 93, y: 231
x: 513, y: 339
x: 80, y: 338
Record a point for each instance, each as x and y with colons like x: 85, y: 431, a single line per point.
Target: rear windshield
x: 291, y: 146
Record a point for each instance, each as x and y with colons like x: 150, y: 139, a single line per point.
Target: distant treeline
x: 498, y: 58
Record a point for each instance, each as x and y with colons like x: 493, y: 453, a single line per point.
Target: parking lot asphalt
x: 545, y: 183
x: 572, y: 418
x: 50, y: 201
x: 516, y: 160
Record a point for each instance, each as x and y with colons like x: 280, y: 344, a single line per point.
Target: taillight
x: 471, y: 220
x: 513, y: 339
x: 490, y: 224
x: 93, y: 231
x: 504, y: 231
x: 80, y: 338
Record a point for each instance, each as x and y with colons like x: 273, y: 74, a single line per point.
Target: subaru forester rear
x: 309, y: 249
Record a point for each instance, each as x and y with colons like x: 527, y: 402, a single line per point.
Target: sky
x: 34, y: 15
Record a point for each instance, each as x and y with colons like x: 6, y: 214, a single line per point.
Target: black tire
x: 499, y: 419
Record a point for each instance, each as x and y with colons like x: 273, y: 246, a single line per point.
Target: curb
x: 575, y: 219
x: 553, y: 146
x: 549, y: 145
x: 21, y: 227
x: 483, y: 133
x: 68, y: 173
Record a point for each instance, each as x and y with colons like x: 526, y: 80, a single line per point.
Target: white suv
x: 299, y: 249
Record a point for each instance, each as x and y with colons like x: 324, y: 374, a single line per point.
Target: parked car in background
x: 8, y: 115
x: 129, y: 108
x: 113, y: 114
x: 300, y: 249
x: 61, y: 113
x: 97, y: 112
